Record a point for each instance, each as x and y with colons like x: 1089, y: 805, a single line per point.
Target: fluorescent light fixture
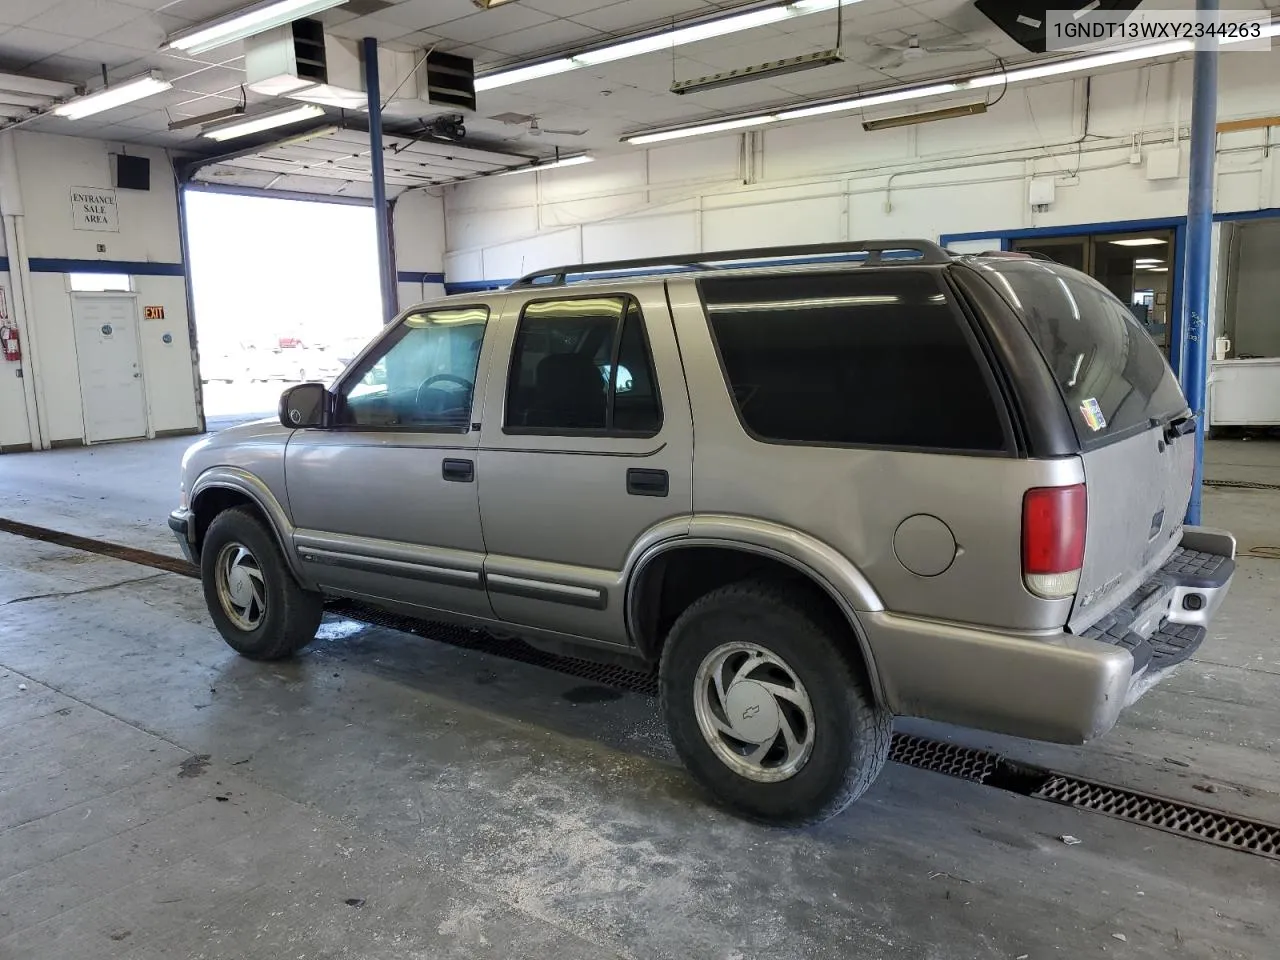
x: 1139, y: 242
x: 665, y: 40
x: 926, y: 116
x: 760, y: 71
x: 872, y: 100
x: 12, y: 83
x: 1155, y: 269
x: 550, y: 165
x: 264, y: 121
x: 1038, y: 71
x: 700, y: 130
x: 1147, y: 261
x: 113, y: 96
x: 245, y: 22
x: 204, y: 118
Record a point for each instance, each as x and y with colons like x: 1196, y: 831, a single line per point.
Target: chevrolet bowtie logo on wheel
x: 751, y: 711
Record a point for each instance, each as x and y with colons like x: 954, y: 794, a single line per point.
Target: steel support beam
x: 1196, y: 332
x: 381, y: 212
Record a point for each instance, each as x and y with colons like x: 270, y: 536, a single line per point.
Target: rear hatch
x: 1127, y: 410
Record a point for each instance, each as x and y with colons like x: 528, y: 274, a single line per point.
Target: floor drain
x: 1184, y: 819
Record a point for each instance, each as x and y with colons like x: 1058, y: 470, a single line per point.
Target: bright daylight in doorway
x: 284, y: 291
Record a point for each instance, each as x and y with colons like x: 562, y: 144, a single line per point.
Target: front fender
x: 255, y: 489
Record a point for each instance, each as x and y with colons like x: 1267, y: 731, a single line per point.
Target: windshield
x: 1113, y: 377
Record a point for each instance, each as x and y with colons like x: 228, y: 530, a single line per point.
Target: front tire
x: 259, y: 608
x: 766, y: 707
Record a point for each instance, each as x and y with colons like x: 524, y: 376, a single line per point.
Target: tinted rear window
x: 1114, y: 378
x: 858, y: 357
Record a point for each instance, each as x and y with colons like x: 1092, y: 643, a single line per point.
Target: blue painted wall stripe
x: 417, y: 276
x: 137, y: 268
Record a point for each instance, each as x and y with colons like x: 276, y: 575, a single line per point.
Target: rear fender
x: 822, y: 564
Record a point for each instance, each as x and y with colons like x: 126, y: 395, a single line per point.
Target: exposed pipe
x: 11, y: 208
x: 381, y: 213
x: 1195, y: 301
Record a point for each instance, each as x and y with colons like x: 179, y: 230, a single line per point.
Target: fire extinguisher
x: 9, y: 341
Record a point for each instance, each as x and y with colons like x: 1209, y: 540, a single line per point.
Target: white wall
x: 47, y: 168
x: 418, y: 231
x: 828, y: 180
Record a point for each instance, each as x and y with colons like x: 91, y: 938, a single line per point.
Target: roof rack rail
x: 874, y: 250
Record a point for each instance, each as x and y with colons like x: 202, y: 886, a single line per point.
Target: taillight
x: 1053, y: 526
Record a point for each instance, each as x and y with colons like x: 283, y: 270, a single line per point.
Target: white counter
x: 1244, y: 392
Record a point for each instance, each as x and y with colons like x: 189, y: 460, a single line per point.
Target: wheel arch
x: 222, y: 488
x: 719, y: 560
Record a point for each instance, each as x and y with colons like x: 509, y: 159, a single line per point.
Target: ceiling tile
x: 67, y: 69
x: 211, y: 80
x: 146, y: 32
x: 115, y: 57
x: 556, y: 35
x: 83, y: 18
x: 423, y: 14
x: 373, y: 26
x: 625, y: 17
x: 567, y: 8
x: 481, y: 27
x: 20, y: 11
x: 22, y: 45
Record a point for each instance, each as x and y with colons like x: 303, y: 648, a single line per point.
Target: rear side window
x: 582, y: 366
x: 860, y: 357
x: 1113, y: 377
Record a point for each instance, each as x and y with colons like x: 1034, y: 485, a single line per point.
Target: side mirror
x: 306, y: 405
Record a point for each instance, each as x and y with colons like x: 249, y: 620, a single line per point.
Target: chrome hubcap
x: 754, y: 712
x: 241, y: 588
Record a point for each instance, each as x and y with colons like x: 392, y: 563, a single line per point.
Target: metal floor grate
x: 940, y: 757
x: 1242, y: 484
x: 1183, y: 819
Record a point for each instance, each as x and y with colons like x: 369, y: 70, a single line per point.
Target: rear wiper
x: 1177, y: 427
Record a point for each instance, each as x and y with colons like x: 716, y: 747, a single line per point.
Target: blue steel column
x: 386, y: 278
x: 1195, y: 310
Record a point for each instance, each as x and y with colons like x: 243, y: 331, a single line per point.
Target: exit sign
x: 153, y: 313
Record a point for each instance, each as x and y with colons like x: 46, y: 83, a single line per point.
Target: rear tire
x: 782, y: 665
x: 259, y: 608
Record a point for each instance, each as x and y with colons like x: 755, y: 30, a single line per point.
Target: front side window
x: 582, y: 365
x: 423, y: 375
x: 858, y: 357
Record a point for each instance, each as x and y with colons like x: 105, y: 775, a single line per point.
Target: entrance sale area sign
x: 94, y: 208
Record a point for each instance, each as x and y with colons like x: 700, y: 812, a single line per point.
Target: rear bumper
x: 1057, y: 687
x: 183, y: 527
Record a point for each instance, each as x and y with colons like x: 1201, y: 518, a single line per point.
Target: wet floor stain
x: 592, y: 694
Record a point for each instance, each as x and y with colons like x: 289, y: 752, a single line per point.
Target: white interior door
x: 110, y: 375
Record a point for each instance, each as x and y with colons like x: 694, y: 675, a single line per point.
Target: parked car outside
x: 929, y: 485
x: 295, y: 364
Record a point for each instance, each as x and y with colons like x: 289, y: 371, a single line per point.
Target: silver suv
x: 818, y: 487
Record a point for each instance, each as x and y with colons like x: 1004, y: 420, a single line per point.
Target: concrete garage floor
x: 383, y: 796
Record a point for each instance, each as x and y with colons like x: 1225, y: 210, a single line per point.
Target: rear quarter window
x: 858, y: 357
x: 1114, y: 379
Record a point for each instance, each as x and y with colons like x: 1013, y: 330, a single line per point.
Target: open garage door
x: 283, y: 290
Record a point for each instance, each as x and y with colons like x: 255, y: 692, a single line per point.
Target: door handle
x: 648, y: 483
x: 458, y: 471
